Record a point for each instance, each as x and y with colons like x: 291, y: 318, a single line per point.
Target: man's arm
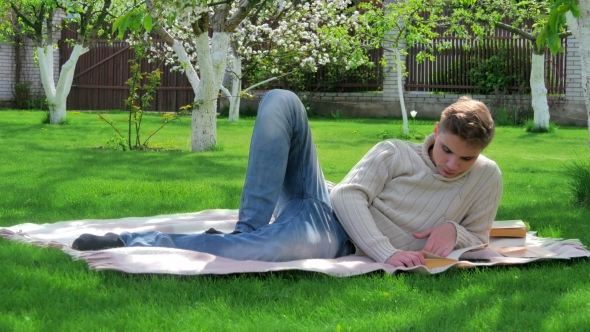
x: 353, y: 196
x: 475, y: 227
x: 484, y: 194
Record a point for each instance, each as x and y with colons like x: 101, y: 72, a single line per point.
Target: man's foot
x: 96, y: 242
x: 214, y: 231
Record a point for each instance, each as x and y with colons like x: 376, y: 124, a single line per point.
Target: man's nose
x: 453, y: 163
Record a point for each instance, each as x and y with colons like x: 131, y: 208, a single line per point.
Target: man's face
x: 451, y: 155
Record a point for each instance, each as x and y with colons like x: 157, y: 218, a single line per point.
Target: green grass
x: 54, y: 173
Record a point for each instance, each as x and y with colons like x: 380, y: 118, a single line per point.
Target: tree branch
x: 240, y: 14
x: 266, y: 81
x: 512, y: 29
x: 22, y: 16
x: 219, y: 3
x: 93, y: 33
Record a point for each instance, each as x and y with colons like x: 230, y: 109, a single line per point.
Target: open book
x: 433, y: 261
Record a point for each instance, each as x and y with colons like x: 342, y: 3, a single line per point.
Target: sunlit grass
x: 54, y: 173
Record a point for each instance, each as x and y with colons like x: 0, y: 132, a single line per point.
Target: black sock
x: 214, y: 231
x: 96, y: 242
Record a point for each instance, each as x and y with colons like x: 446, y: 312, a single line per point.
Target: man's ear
x: 435, y: 130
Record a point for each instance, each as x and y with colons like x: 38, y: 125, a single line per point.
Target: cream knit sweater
x: 396, y: 190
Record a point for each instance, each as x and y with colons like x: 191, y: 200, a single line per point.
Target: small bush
x: 385, y: 135
x: 531, y: 128
x: 37, y: 102
x: 22, y: 94
x: 337, y: 115
x: 578, y: 174
x: 47, y: 120
x: 504, y: 116
x: 224, y: 110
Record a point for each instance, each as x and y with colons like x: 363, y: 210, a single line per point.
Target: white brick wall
x: 573, y: 88
x: 29, y: 70
x: 7, y: 70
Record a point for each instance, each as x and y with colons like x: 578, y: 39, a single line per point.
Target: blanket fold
x: 184, y: 262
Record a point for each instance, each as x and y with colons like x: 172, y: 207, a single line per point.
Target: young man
x: 436, y: 196
x: 400, y: 198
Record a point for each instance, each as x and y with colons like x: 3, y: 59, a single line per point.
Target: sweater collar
x: 429, y: 142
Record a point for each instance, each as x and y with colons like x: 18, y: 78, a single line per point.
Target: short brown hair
x: 470, y: 120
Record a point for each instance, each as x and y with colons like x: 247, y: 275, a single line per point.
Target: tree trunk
x: 212, y: 61
x: 539, y: 92
x: 57, y: 96
x: 234, y: 99
x: 585, y: 50
x: 581, y: 30
x: 400, y: 91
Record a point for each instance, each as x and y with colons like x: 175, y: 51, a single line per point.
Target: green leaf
x: 136, y: 22
x: 118, y: 22
x: 148, y: 23
x: 575, y: 10
x: 123, y: 26
x: 542, y: 37
x: 554, y: 41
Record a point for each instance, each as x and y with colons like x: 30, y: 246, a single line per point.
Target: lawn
x: 56, y: 173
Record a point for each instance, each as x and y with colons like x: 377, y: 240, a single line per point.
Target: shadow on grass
x: 50, y: 180
x: 45, y: 288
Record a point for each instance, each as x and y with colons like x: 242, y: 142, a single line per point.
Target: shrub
x: 531, y: 128
x: 505, y: 115
x: 578, y: 174
x: 22, y: 94
x: 142, y: 87
x: 491, y: 74
x: 46, y: 119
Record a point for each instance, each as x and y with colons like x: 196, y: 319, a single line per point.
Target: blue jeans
x: 284, y: 178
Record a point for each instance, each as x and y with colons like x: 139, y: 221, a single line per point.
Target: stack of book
x: 508, y: 233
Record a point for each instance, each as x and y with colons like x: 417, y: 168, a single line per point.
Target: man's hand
x: 441, y: 239
x: 407, y: 259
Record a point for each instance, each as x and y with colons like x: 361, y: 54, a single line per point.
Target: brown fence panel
x: 101, y: 73
x: 450, y: 71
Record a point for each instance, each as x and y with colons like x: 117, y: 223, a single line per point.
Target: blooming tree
x: 179, y: 21
x: 292, y: 38
x: 199, y: 34
x: 37, y: 21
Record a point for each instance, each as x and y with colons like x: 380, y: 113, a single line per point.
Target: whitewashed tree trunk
x: 234, y: 99
x: 581, y: 30
x: 539, y: 91
x: 57, y: 96
x: 400, y: 91
x: 212, y: 61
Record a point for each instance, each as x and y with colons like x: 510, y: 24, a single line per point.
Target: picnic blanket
x: 184, y: 262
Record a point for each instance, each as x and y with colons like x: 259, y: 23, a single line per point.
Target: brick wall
x: 7, y: 70
x: 29, y: 70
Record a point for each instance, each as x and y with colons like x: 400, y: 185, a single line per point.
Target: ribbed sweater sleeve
x: 353, y: 196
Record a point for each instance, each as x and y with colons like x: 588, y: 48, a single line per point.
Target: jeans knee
x: 282, y: 94
x: 280, y: 102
